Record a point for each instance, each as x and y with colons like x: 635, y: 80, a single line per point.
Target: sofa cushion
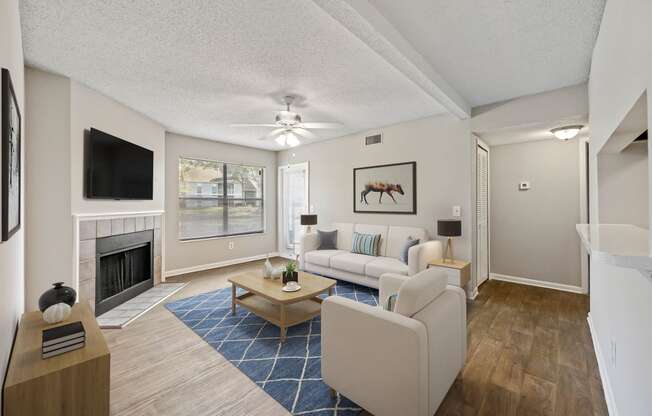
x: 344, y: 235
x: 327, y: 240
x: 365, y: 244
x: 419, y: 290
x: 374, y: 229
x: 350, y: 262
x: 396, y: 239
x: 382, y: 265
x: 321, y: 257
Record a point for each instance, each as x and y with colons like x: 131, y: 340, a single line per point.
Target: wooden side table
x: 458, y: 271
x: 72, y: 384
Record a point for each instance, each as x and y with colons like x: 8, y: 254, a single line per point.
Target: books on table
x: 62, y: 339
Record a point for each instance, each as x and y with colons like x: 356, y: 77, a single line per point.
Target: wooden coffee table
x: 265, y: 298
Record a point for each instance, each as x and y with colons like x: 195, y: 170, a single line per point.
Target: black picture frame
x: 358, y: 198
x: 11, y: 145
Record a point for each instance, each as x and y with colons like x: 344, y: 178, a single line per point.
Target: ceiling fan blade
x: 304, y: 133
x: 253, y: 125
x: 321, y: 125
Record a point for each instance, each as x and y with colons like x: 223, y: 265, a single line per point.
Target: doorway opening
x: 293, y: 195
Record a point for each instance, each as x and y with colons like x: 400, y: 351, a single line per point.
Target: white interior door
x: 482, y: 213
x: 293, y: 186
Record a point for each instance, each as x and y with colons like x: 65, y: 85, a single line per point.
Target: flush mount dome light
x: 566, y: 132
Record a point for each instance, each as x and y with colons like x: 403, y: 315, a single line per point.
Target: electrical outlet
x: 230, y: 245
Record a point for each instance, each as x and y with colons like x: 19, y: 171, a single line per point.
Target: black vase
x: 58, y: 294
x: 290, y: 277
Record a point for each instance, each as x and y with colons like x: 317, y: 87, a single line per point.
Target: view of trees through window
x: 219, y: 199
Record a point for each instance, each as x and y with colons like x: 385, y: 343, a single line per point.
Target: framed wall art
x: 10, y: 161
x: 385, y: 189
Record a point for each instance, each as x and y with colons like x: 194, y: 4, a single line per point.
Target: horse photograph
x: 387, y: 189
x: 382, y: 188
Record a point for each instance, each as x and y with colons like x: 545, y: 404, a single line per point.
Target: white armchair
x: 402, y: 362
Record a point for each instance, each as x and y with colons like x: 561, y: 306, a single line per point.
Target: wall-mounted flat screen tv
x: 116, y: 168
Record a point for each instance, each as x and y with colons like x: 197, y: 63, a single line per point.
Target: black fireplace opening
x: 124, y: 269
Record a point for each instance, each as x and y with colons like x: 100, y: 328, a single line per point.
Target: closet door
x: 482, y: 213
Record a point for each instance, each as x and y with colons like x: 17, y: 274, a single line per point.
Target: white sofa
x: 362, y: 269
x: 396, y: 363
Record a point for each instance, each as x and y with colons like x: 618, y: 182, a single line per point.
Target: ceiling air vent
x: 374, y: 139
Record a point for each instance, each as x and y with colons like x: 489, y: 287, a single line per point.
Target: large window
x: 219, y: 199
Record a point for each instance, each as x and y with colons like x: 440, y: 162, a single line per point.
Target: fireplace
x: 124, y: 268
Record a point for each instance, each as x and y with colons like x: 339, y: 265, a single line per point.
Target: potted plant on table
x: 290, y: 273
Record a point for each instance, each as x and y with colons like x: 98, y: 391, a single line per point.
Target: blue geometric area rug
x: 289, y: 372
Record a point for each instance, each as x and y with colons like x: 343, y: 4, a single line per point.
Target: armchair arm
x: 308, y: 242
x: 421, y: 254
x: 389, y: 285
x: 374, y: 357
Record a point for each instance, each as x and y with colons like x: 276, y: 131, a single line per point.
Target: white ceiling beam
x: 365, y: 22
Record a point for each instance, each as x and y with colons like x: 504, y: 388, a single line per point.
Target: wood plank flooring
x: 529, y: 353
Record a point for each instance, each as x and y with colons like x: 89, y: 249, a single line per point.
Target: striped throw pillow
x: 365, y: 244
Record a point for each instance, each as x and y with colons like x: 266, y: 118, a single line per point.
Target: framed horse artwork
x: 385, y: 189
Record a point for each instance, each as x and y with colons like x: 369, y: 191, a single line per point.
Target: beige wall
x: 60, y: 110
x: 192, y: 255
x: 623, y: 186
x: 89, y: 108
x: 440, y: 145
x: 48, y: 214
x: 11, y: 252
x: 533, y: 232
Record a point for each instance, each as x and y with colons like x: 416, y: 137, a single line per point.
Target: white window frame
x: 230, y: 235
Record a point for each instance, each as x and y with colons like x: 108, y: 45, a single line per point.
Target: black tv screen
x: 117, y: 169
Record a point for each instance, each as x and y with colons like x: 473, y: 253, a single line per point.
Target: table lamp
x: 450, y: 229
x: 309, y: 220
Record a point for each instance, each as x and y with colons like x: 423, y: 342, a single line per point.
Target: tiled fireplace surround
x: 90, y: 229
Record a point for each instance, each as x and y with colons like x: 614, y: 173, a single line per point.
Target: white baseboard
x: 472, y: 296
x: 537, y: 283
x: 216, y: 265
x: 602, y: 366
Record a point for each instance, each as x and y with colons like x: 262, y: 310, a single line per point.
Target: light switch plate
x: 457, y: 211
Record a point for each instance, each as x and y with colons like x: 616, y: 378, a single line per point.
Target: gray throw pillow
x: 327, y: 240
x: 410, y: 242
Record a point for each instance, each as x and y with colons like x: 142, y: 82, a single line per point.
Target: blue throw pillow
x: 410, y: 242
x: 327, y: 240
x: 365, y: 244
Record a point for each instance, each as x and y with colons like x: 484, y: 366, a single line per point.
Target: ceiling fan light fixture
x: 292, y: 140
x: 566, y: 132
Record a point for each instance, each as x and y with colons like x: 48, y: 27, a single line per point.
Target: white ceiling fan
x: 289, y: 125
